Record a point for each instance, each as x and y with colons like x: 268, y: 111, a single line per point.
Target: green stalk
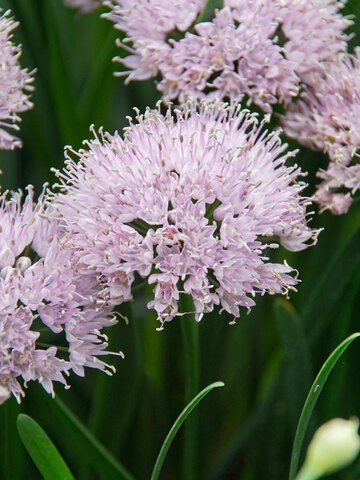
x: 190, y: 333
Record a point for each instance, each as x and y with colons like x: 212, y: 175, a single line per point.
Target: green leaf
x: 311, y: 400
x: 329, y: 289
x: 107, y: 467
x: 42, y: 450
x: 178, y: 422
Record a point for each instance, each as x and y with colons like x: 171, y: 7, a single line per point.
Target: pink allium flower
x: 15, y: 82
x: 191, y: 203
x: 260, y: 49
x: 326, y: 118
x: 84, y: 6
x: 41, y: 291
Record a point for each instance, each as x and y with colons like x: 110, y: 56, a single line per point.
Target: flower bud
x: 334, y: 446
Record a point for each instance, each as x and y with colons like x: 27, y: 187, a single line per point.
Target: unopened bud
x: 334, y: 446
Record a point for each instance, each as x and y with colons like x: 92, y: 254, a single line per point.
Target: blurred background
x: 268, y: 360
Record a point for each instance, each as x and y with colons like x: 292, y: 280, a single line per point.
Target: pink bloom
x: 41, y: 291
x: 326, y: 118
x: 186, y: 202
x: 314, y: 30
x: 259, y: 50
x: 232, y: 56
x: 14, y: 83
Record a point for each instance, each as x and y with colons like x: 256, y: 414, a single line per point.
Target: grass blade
x: 41, y: 449
x: 311, y: 400
x: 177, y: 424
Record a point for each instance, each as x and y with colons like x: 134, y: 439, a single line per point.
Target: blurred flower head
x: 43, y: 302
x: 191, y: 201
x: 334, y: 445
x: 15, y: 82
x: 326, y: 118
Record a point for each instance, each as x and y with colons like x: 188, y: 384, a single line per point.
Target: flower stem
x: 190, y: 335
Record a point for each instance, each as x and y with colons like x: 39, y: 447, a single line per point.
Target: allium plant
x: 43, y: 301
x: 15, y: 83
x: 192, y: 202
x: 256, y: 49
x: 326, y: 118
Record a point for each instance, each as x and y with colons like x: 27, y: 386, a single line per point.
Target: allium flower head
x: 326, y: 118
x: 191, y: 202
x: 15, y: 82
x: 40, y: 292
x: 257, y: 49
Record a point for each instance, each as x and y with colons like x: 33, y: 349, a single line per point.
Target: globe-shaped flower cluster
x: 326, y: 118
x: 191, y: 201
x: 261, y: 50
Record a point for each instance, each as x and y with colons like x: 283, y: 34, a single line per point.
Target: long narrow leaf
x: 178, y: 422
x: 42, y: 450
x: 311, y: 400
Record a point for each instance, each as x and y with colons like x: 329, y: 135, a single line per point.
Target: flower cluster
x: 15, y: 82
x: 191, y: 202
x: 314, y: 33
x: 232, y: 56
x: 259, y: 49
x: 326, y: 118
x: 43, y: 301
